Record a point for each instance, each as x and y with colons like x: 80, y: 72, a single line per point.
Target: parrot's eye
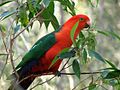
x: 81, y: 19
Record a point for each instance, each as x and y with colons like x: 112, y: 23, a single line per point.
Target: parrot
x: 37, y: 60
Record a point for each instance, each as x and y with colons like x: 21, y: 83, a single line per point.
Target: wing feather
x: 38, y: 49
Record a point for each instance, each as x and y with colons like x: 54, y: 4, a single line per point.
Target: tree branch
x: 81, y: 73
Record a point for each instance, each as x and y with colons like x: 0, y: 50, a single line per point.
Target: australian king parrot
x: 37, y: 60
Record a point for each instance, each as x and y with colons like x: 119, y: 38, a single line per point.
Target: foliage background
x: 105, y: 14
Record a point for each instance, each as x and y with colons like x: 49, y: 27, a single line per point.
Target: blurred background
x: 106, y: 16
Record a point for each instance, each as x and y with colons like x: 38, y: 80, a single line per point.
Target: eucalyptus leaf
x: 112, y: 74
x: 3, y: 3
x: 7, y: 14
x: 46, y: 3
x: 68, y: 54
x: 76, y: 68
x: 84, y: 55
x: 92, y: 86
x: 57, y: 57
x: 17, y: 28
x: 96, y: 55
x: 111, y: 64
x: 23, y: 16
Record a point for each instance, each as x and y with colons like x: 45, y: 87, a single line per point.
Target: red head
x: 64, y: 33
x: 84, y: 22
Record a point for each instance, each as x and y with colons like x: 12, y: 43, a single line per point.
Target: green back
x: 38, y: 49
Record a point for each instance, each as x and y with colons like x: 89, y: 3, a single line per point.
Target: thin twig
x: 3, y: 54
x: 4, y: 66
x: 11, y: 57
x: 68, y: 66
x: 64, y: 65
x: 80, y: 73
x: 80, y: 82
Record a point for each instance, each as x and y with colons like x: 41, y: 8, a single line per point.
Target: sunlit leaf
x: 96, y: 55
x: 7, y: 14
x: 32, y: 6
x: 3, y: 3
x: 76, y: 68
x: 23, y: 16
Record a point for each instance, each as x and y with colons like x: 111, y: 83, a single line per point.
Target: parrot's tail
x: 23, y: 83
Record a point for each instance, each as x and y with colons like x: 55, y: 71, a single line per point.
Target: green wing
x: 38, y: 49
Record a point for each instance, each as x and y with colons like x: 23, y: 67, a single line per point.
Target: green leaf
x: 46, y: 16
x: 91, y: 3
x: 84, y: 55
x: 91, y: 43
x: 54, y: 61
x: 46, y: 2
x: 71, y: 7
x: 67, y: 54
x: 72, y: 33
x: 111, y: 64
x: 81, y: 40
x: 2, y: 28
x: 16, y: 28
x: 92, y: 86
x: 51, y: 8
x: 32, y: 4
x: 103, y: 32
x: 108, y: 33
x: 57, y: 57
x: 96, y: 55
x: 54, y: 22
x: 68, y: 6
x: 76, y: 68
x: 23, y: 16
x: 64, y: 50
x: 114, y: 35
x: 97, y: 3
x: 3, y: 3
x: 7, y: 14
x: 38, y: 1
x: 112, y: 74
